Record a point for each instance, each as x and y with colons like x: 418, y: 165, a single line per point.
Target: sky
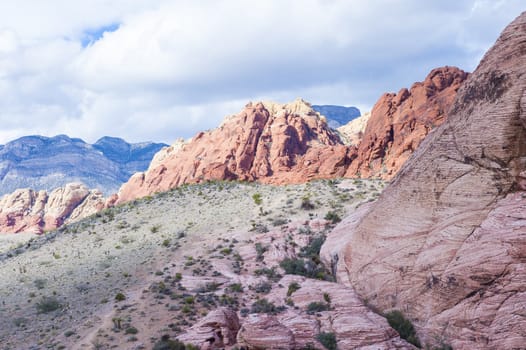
x: 157, y: 70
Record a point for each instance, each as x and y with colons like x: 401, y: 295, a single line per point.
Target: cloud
x: 162, y: 69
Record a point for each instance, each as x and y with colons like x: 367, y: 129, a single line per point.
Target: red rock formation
x: 292, y: 143
x: 28, y: 211
x: 267, y: 142
x: 399, y: 122
x: 446, y: 241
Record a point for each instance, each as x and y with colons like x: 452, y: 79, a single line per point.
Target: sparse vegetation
x: 48, y: 304
x: 403, y: 326
x: 263, y: 306
x: 120, y: 297
x: 257, y: 198
x: 328, y: 340
x: 306, y: 203
x: 333, y: 217
x: 317, y: 306
x: 293, y: 287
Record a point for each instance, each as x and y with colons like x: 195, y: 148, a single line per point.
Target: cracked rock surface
x: 446, y: 242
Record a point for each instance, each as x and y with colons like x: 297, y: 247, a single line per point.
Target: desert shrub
x: 167, y: 344
x: 263, y: 306
x: 328, y: 340
x: 293, y: 287
x: 260, y: 250
x: 236, y: 288
x: 279, y: 222
x: 312, y: 250
x: 403, y: 326
x: 48, y: 304
x: 333, y: 217
x: 40, y: 283
x: 327, y: 298
x: 120, y: 297
x: 263, y: 287
x: 304, y: 267
x: 317, y: 306
x: 306, y: 203
x: 270, y: 273
x: 155, y: 228
x: 131, y: 330
x: 257, y: 198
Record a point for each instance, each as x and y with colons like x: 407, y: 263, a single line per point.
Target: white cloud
x: 172, y: 68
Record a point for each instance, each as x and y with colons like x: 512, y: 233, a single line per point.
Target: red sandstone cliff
x: 399, y: 122
x: 292, y: 143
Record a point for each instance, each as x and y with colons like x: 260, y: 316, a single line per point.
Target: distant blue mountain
x: 337, y: 115
x: 40, y: 162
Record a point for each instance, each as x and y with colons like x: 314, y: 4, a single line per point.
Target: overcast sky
x: 157, y: 70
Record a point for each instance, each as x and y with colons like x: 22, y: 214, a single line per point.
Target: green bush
x: 306, y: 204
x: 257, y: 198
x: 328, y: 340
x: 265, y: 307
x: 120, y: 297
x: 403, y: 326
x: 293, y: 287
x: 317, y: 306
x: 131, y: 330
x: 333, y: 217
x: 167, y: 344
x: 48, y: 304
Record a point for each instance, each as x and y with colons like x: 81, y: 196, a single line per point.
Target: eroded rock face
x: 399, y: 122
x: 445, y: 243
x: 26, y: 210
x: 268, y: 142
x: 292, y: 143
x: 215, y: 331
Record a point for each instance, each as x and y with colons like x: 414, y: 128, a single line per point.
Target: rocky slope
x: 337, y: 115
x: 189, y: 264
x: 26, y: 210
x: 46, y: 163
x: 446, y: 242
x: 292, y: 143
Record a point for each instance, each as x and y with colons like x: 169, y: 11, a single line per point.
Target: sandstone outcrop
x: 446, y: 243
x: 399, y: 122
x: 268, y: 142
x: 292, y: 143
x: 26, y: 210
x: 215, y: 331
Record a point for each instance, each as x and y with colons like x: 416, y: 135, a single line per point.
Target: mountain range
x: 337, y: 115
x: 272, y: 232
x: 46, y: 163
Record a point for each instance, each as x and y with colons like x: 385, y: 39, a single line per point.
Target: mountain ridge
x: 45, y: 163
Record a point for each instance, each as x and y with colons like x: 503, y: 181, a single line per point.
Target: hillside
x: 184, y: 254
x: 46, y: 163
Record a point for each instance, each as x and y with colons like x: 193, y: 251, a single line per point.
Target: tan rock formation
x: 215, y: 331
x: 352, y: 132
x: 28, y: 211
x: 399, y: 122
x: 446, y: 243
